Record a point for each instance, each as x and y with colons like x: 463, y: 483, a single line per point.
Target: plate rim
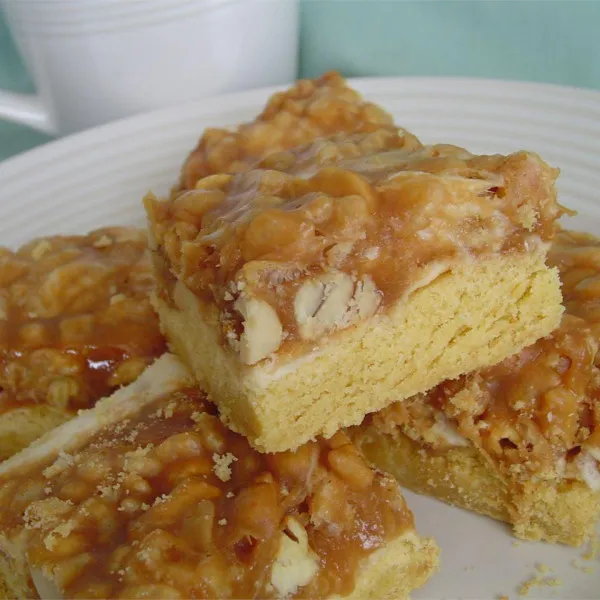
x: 364, y: 85
x: 196, y: 114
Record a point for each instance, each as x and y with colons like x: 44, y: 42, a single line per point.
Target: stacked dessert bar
x: 340, y: 302
x: 518, y: 441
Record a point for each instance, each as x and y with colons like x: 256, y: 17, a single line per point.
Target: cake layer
x: 308, y: 110
x: 75, y: 324
x: 519, y: 441
x: 148, y: 495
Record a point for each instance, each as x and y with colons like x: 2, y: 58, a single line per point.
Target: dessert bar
x: 148, y: 495
x: 333, y: 280
x: 75, y: 324
x: 519, y: 441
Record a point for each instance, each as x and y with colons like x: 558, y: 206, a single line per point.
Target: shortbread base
x: 472, y: 317
x: 20, y: 426
x: 559, y: 512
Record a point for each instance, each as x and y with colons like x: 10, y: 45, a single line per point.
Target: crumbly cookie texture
x: 519, y: 441
x: 300, y: 292
x: 309, y: 110
x: 149, y: 495
x: 75, y: 324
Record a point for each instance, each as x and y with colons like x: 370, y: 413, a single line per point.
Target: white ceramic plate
x: 98, y: 177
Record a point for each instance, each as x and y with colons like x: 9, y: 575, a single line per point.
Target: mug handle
x: 26, y: 109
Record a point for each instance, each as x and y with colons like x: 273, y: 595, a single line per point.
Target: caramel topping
x: 75, y: 319
x: 537, y: 411
x: 173, y: 505
x: 307, y: 111
x: 330, y: 240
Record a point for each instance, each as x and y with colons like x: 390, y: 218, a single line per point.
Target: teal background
x: 555, y: 41
x: 13, y: 76
x: 536, y: 40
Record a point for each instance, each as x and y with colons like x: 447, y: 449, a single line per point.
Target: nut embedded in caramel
x: 262, y: 329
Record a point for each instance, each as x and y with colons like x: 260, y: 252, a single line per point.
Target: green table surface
x: 554, y: 41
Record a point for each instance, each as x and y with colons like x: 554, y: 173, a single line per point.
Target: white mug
x: 94, y: 61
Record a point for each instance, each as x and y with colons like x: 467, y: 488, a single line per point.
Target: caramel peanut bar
x: 333, y: 280
x: 309, y: 110
x: 148, y: 495
x: 519, y: 441
x: 75, y: 324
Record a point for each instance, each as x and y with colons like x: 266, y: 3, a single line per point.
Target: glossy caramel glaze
x: 308, y: 110
x: 75, y: 318
x: 171, y: 504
